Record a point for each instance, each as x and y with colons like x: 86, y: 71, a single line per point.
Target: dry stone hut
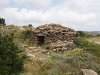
x: 55, y: 35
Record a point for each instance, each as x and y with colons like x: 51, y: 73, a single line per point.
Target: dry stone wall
x: 56, y: 35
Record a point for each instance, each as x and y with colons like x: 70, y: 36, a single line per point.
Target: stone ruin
x: 54, y: 35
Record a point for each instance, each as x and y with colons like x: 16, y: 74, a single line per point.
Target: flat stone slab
x: 88, y: 72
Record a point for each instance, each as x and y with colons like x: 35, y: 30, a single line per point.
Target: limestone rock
x: 88, y: 72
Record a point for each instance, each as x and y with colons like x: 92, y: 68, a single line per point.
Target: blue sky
x: 77, y: 14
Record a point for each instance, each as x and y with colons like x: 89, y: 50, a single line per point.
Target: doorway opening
x: 40, y: 40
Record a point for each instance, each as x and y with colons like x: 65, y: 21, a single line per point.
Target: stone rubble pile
x: 56, y: 35
x: 62, y: 45
x: 56, y: 31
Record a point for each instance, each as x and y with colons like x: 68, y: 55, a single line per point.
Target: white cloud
x: 23, y: 15
x: 43, y: 2
x: 2, y: 2
x: 77, y: 14
x: 23, y: 1
x: 36, y: 3
x: 52, y: 15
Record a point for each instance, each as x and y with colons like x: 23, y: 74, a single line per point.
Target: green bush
x: 84, y: 34
x: 26, y: 37
x: 98, y: 35
x: 11, y: 59
x: 55, y: 57
x: 81, y: 33
x: 25, y: 34
x: 89, y: 46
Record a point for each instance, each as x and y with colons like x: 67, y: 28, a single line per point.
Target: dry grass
x: 94, y: 39
x: 68, y: 63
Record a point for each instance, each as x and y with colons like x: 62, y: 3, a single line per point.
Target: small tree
x: 30, y: 25
x: 2, y: 21
x: 11, y: 59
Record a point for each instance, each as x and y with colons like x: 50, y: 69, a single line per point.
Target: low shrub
x: 26, y: 37
x: 25, y: 34
x: 55, y: 57
x: 89, y: 46
x: 80, y: 59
